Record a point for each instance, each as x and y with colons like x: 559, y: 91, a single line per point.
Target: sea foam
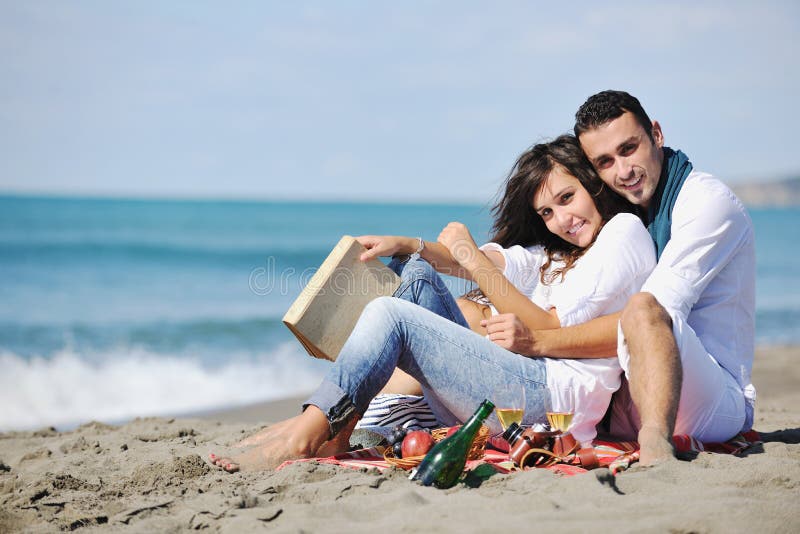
x: 66, y: 389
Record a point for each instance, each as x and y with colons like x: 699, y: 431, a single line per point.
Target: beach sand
x: 150, y: 475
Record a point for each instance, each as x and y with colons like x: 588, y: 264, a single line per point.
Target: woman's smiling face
x: 567, y: 208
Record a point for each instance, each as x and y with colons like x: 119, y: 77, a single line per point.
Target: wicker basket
x: 475, y: 452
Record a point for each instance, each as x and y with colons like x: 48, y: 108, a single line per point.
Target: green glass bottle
x: 443, y: 464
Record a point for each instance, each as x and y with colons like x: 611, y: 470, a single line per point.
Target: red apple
x: 416, y: 443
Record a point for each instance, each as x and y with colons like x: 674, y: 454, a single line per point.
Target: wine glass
x: 510, y: 404
x: 560, y: 407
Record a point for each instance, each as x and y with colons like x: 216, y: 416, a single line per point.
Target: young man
x: 686, y: 342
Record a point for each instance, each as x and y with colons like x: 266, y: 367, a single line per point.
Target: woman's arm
x: 497, y: 288
x: 434, y: 253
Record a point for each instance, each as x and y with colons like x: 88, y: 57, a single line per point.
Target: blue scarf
x: 675, y: 169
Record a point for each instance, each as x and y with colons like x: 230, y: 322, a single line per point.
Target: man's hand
x: 510, y: 333
x: 456, y: 237
x: 386, y: 245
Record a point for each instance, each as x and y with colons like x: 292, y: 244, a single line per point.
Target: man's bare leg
x: 299, y: 437
x: 655, y: 375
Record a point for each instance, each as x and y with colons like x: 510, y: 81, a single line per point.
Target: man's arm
x: 594, y: 339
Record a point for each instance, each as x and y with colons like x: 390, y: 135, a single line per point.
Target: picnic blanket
x: 617, y: 456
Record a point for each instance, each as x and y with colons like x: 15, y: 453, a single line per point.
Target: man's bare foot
x: 654, y: 447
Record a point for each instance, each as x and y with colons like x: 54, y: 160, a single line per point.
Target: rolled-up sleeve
x: 706, y: 234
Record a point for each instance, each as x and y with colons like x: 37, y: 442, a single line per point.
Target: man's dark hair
x: 607, y: 106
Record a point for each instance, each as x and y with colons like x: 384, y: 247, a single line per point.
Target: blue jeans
x: 422, y: 285
x: 456, y: 367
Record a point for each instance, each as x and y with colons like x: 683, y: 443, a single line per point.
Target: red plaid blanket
x: 617, y: 456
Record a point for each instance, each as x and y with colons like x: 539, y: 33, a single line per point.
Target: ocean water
x: 118, y: 308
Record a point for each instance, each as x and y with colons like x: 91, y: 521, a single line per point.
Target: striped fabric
x: 390, y: 410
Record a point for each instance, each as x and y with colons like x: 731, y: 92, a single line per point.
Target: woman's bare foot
x: 654, y: 447
x: 299, y: 437
x: 332, y: 447
x: 339, y: 443
x: 262, y: 435
x: 267, y: 455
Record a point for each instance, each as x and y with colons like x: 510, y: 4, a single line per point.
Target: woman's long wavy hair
x: 516, y: 222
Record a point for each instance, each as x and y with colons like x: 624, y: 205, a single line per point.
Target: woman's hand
x: 386, y: 245
x: 457, y: 239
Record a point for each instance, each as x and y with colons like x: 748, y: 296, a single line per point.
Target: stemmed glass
x: 510, y: 405
x: 560, y: 407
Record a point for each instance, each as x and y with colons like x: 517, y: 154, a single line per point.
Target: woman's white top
x: 601, y: 282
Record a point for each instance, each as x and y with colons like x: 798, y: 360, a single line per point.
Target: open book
x: 324, y: 314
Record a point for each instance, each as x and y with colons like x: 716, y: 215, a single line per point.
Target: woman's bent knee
x: 380, y: 305
x: 389, y: 308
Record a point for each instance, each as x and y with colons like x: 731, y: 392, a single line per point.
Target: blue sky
x: 374, y: 100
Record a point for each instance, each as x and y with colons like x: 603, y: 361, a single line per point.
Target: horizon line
x: 257, y: 199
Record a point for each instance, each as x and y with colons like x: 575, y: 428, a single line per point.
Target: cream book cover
x: 328, y: 308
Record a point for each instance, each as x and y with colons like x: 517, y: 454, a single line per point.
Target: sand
x: 150, y: 475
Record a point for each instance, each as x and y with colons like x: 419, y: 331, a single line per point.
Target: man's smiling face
x: 625, y: 157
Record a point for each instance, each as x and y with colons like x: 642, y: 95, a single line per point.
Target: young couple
x: 581, y: 292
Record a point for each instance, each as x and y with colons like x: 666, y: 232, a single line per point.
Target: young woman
x: 560, y: 237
